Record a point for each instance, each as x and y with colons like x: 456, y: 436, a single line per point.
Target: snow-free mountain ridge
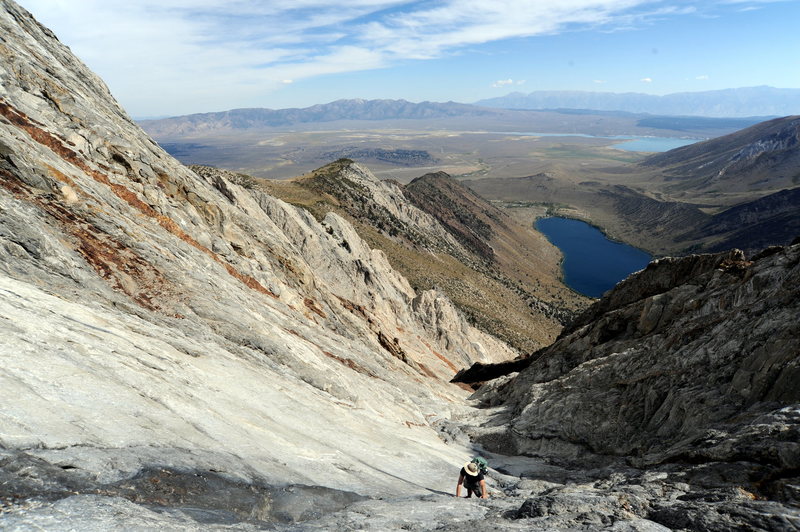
x: 739, y: 102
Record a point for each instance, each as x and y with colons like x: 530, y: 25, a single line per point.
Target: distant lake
x: 627, y: 142
x: 655, y: 144
x: 592, y: 264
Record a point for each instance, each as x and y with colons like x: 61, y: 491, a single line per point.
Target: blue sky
x: 170, y: 57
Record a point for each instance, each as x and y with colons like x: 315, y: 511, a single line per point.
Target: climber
x: 472, y: 477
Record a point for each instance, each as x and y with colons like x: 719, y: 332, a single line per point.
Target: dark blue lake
x: 592, y: 263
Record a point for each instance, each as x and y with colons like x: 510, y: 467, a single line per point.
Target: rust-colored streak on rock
x: 425, y: 370
x: 393, y: 347
x: 60, y: 176
x: 120, y: 266
x: 467, y: 387
x: 355, y: 308
x: 44, y: 138
x: 441, y: 357
x: 41, y: 136
x: 313, y: 306
x: 12, y: 184
x: 352, y: 364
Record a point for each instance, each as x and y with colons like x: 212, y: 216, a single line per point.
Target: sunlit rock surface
x: 154, y: 317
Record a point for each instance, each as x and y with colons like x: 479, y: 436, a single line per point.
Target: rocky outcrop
x: 502, y: 276
x: 382, y: 204
x: 691, y: 360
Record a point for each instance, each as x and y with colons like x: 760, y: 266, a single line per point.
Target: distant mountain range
x: 356, y: 109
x: 679, y: 112
x: 742, y: 102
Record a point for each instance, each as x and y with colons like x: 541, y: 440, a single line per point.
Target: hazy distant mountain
x: 339, y: 110
x: 765, y: 156
x: 747, y: 101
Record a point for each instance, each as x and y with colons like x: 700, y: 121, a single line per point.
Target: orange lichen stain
x: 44, y: 138
x: 60, y: 176
x: 70, y: 190
x: 748, y: 494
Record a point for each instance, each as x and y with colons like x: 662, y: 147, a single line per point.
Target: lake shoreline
x: 600, y: 228
x: 591, y: 262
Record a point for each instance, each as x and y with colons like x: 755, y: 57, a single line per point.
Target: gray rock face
x: 692, y: 360
x: 154, y: 317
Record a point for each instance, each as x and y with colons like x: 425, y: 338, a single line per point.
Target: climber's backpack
x: 483, y: 465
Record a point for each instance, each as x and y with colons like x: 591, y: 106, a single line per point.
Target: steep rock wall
x: 691, y: 359
x: 154, y: 316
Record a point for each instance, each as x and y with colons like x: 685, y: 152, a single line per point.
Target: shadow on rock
x: 210, y: 497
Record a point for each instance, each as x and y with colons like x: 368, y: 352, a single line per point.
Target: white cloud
x: 521, y: 81
x: 190, y: 55
x: 502, y: 82
x: 599, y: 81
x: 703, y: 77
x: 646, y: 80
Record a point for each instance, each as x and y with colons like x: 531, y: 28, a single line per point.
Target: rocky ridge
x: 504, y: 277
x: 513, y: 255
x: 764, y: 157
x: 383, y: 204
x: 752, y: 225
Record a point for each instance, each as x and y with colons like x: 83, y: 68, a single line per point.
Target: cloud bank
x: 167, y: 53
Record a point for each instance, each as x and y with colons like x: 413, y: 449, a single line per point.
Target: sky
x: 174, y: 57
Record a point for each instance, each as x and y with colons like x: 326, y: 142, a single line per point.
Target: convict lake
x: 592, y: 263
